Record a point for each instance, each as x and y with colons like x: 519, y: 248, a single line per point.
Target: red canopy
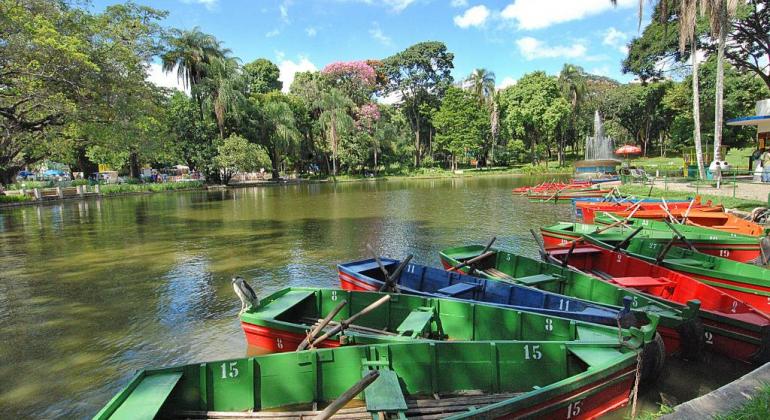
x: 628, y: 150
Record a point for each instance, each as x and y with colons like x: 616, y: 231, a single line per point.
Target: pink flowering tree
x: 356, y: 78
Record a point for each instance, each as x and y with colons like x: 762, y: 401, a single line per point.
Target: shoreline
x: 269, y: 183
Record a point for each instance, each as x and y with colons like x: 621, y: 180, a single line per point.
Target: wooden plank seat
x: 496, y: 273
x: 536, y: 279
x: 148, y: 397
x: 577, y: 251
x: 641, y: 281
x: 415, y: 324
x: 690, y: 261
x: 384, y: 394
x: 457, y: 289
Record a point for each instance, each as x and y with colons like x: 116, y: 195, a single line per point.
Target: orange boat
x: 590, y: 209
x: 550, y: 187
x: 725, y: 222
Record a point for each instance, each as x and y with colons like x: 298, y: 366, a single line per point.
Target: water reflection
x: 92, y: 290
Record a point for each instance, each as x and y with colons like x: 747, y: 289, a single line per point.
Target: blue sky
x: 509, y: 37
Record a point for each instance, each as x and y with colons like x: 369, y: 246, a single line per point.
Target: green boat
x: 681, y: 328
x: 747, y: 282
x: 527, y: 379
x: 739, y: 248
x: 603, y: 218
x: 281, y: 321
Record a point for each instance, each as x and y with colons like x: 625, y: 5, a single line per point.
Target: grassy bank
x: 396, y: 173
x: 113, y: 189
x: 758, y: 408
x: 728, y: 202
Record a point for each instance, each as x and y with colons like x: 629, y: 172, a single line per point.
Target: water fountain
x: 600, y: 161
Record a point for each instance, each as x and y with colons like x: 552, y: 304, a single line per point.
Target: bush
x: 79, y: 182
x: 14, y: 198
x: 30, y: 185
x: 111, y: 189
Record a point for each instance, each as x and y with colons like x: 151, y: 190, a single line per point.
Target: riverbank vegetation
x: 756, y: 408
x: 76, y: 91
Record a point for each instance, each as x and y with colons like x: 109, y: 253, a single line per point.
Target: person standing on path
x: 766, y: 166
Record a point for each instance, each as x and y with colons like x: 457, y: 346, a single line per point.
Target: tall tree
x: 482, y: 84
x: 224, y: 89
x: 281, y: 133
x: 687, y: 34
x: 461, y: 125
x: 261, y: 76
x: 191, y: 52
x: 335, y: 119
x: 572, y: 83
x: 418, y: 74
x: 721, y: 13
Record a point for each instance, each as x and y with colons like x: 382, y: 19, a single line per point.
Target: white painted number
x: 735, y: 306
x: 724, y: 252
x: 563, y: 305
x: 533, y: 353
x: 334, y: 295
x: 619, y: 257
x: 635, y: 301
x: 229, y: 370
x: 279, y: 342
x: 573, y: 409
x: 548, y: 324
x: 709, y: 337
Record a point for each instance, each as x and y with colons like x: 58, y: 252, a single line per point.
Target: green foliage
x: 235, y: 154
x: 532, y: 110
x: 756, y: 408
x: 461, y: 124
x: 261, y: 76
x: 115, y: 189
x: 14, y: 198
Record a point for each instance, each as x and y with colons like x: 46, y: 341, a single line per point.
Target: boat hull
x: 274, y: 340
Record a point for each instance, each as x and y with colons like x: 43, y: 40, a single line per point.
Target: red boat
x: 550, y: 187
x: 732, y: 327
x: 589, y: 210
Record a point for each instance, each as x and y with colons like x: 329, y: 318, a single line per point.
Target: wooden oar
x: 625, y: 242
x: 544, y: 255
x: 687, y: 212
x: 379, y: 262
x: 344, y: 324
x: 321, y: 325
x: 682, y: 237
x: 391, y: 282
x: 668, y: 212
x: 664, y: 251
x: 348, y: 395
x: 485, y: 253
x: 612, y: 216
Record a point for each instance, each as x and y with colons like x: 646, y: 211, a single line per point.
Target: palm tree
x: 283, y: 131
x: 721, y: 13
x: 573, y: 86
x: 224, y: 87
x: 482, y: 84
x: 190, y: 52
x: 687, y: 24
x: 335, y: 119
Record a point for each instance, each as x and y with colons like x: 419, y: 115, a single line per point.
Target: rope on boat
x: 635, y: 392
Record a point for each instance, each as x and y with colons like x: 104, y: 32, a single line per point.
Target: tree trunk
x: 133, y: 168
x: 334, y: 147
x: 720, y: 82
x: 696, y: 110
x: 417, y: 147
x: 375, y: 161
x: 275, y: 162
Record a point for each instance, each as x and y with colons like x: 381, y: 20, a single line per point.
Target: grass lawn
x: 729, y: 202
x: 758, y: 408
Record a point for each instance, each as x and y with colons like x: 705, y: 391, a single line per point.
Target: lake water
x: 91, y: 291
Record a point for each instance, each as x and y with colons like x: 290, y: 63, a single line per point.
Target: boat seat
x: 496, y: 273
x: 577, y: 251
x: 457, y: 289
x: 641, y: 281
x: 384, y: 394
x: 536, y: 279
x: 416, y: 322
x: 689, y: 261
x: 148, y: 397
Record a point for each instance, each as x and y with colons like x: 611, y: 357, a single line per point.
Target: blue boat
x: 421, y: 280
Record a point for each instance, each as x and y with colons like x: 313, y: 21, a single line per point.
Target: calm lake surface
x: 91, y: 291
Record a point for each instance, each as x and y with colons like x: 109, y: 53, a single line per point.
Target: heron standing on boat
x: 245, y: 293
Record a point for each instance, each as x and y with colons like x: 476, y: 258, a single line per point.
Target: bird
x: 245, y: 293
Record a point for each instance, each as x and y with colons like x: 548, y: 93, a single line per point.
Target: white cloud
x: 507, y: 81
x: 158, y: 77
x: 458, y: 3
x: 284, y: 9
x: 616, y: 39
x: 475, y: 16
x: 288, y: 68
x: 376, y: 33
x: 532, y: 48
x: 208, y: 4
x: 538, y: 14
x: 273, y: 33
x: 394, y: 5
x: 311, y: 31
x: 600, y: 71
